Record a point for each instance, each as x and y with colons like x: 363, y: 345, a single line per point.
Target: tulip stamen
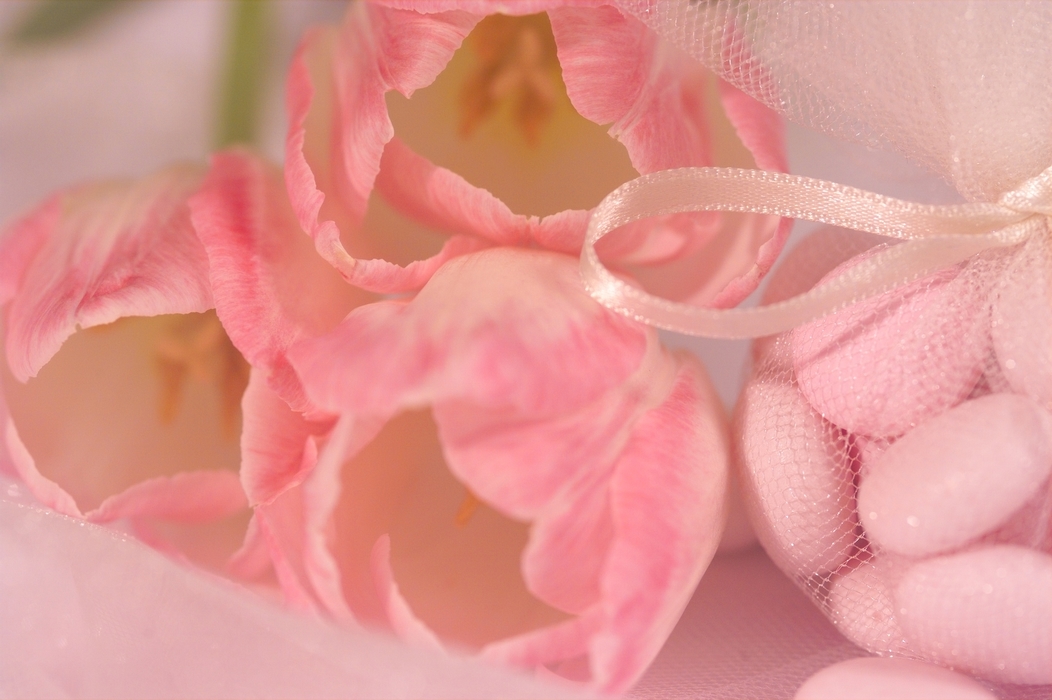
x: 467, y: 509
x: 517, y: 64
x: 195, y: 347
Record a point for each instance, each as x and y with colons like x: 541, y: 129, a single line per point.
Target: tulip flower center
x: 499, y: 116
x: 467, y: 508
x: 517, y: 65
x: 455, y: 560
x: 132, y: 400
x: 194, y: 347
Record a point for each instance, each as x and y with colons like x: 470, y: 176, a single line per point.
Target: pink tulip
x: 514, y: 470
x: 124, y: 392
x: 387, y: 217
x: 122, y: 389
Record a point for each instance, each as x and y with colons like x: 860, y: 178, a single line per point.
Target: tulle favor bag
x: 895, y: 437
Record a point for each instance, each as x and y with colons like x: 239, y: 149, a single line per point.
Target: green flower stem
x: 243, y: 79
x: 48, y: 20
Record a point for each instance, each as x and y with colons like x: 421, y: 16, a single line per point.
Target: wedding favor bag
x: 895, y: 437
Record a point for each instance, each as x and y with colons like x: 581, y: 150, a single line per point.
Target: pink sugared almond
x: 862, y: 607
x: 987, y: 610
x: 795, y: 467
x: 957, y: 476
x: 886, y: 364
x: 876, y: 678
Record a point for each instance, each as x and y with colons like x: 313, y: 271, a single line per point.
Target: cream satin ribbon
x: 935, y: 237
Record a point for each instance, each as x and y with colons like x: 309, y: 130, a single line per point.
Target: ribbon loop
x: 935, y: 237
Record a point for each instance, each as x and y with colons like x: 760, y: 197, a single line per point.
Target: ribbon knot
x: 1034, y: 196
x: 935, y: 237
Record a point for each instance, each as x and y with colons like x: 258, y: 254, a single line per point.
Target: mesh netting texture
x: 961, y: 88
x: 896, y: 458
x: 896, y: 454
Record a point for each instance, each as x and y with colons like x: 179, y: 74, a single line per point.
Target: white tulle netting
x: 962, y: 88
x: 896, y: 455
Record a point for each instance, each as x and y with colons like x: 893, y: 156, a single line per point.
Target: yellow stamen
x: 195, y: 347
x: 517, y: 64
x: 467, y: 509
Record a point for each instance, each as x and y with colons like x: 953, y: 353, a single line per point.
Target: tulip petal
x: 252, y: 559
x: 111, y: 250
x: 759, y: 128
x: 378, y: 275
x: 519, y: 7
x: 270, y: 286
x: 276, y: 450
x: 188, y: 515
x: 661, y: 106
x: 563, y: 561
x: 281, y: 525
x: 347, y: 591
x: 186, y: 497
x: 565, y: 640
x: 456, y: 571
x: 441, y: 199
x: 21, y: 242
x: 339, y: 120
x: 123, y: 424
x: 619, y: 72
x: 762, y: 238
x: 571, y: 534
x: 486, y: 449
x: 405, y: 624
x: 482, y: 324
x: 667, y: 498
x: 46, y: 491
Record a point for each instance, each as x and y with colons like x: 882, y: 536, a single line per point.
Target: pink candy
x: 988, y: 610
x: 898, y: 454
x: 886, y: 364
x: 957, y: 476
x: 796, y: 465
x: 889, y: 679
x: 862, y: 606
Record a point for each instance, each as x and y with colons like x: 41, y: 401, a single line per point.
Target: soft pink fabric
x: 548, y: 410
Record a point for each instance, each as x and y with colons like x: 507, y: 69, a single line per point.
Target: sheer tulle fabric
x: 896, y: 454
x: 897, y: 465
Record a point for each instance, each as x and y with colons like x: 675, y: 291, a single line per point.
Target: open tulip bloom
x: 433, y: 426
x: 131, y: 408
x: 530, y: 93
